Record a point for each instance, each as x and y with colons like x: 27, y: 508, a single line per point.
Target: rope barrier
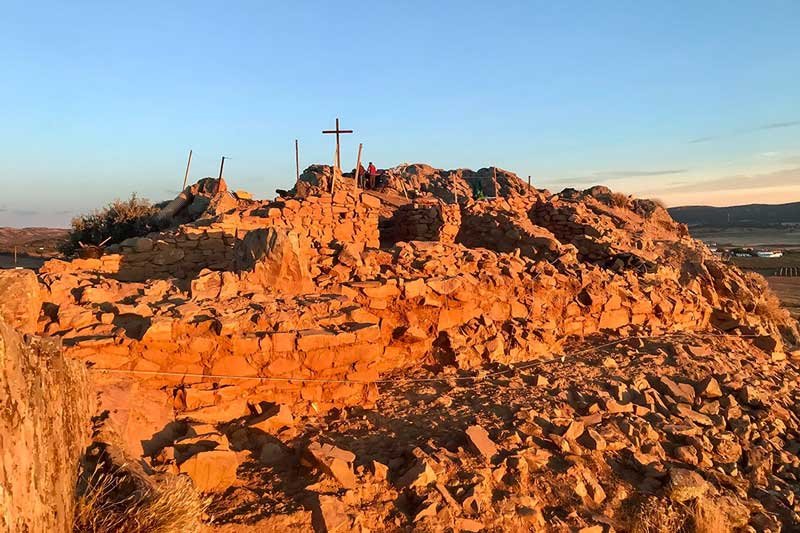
x: 490, y: 375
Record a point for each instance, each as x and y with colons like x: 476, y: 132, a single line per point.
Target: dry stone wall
x: 343, y: 217
x: 432, y: 220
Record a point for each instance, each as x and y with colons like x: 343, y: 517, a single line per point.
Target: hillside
x: 33, y: 242
x: 751, y: 215
x: 454, y: 351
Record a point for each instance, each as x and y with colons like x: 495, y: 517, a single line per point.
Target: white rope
x: 525, y: 366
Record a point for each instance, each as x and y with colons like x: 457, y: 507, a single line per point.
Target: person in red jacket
x: 372, y: 172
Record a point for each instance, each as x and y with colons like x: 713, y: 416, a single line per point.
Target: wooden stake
x: 494, y: 182
x: 529, y: 184
x: 333, y: 171
x: 297, y: 161
x: 358, y: 164
x: 186, y: 175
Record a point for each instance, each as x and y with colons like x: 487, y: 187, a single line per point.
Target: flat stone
x: 480, y: 441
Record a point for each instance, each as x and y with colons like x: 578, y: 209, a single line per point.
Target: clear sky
x: 687, y: 101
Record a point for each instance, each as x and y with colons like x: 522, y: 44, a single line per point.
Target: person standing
x: 372, y: 172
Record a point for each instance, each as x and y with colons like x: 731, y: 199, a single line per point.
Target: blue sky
x: 691, y: 102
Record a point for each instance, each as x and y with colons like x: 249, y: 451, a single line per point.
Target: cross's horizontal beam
x: 337, y: 131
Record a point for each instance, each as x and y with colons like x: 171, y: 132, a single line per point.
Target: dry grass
x: 658, y: 515
x: 120, y: 501
x: 661, y: 515
x: 707, y: 517
x: 767, y: 303
x: 619, y: 199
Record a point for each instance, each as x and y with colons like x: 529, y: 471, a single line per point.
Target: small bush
x: 121, y: 501
x: 619, y: 199
x: 116, y: 222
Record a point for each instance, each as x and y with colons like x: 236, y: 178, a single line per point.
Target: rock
x: 481, y: 443
x: 334, y: 461
x: 750, y: 395
x: 273, y: 258
x: 329, y: 515
x: 45, y: 414
x: 350, y: 255
x: 693, y: 416
x: 709, y: 388
x: 420, y: 474
x: 468, y: 524
x: 212, y: 471
x: 275, y: 420
x: 20, y: 299
x: 574, y: 430
x: 685, y: 485
x: 593, y: 440
x: 768, y: 343
x: 686, y: 454
x: 680, y: 391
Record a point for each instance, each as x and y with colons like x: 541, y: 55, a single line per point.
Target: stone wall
x: 44, y: 426
x: 208, y: 243
x: 431, y: 220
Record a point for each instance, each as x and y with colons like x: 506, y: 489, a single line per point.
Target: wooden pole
x: 333, y: 172
x: 529, y: 184
x: 297, y: 162
x: 358, y: 164
x: 494, y: 182
x: 15, y: 256
x: 186, y: 175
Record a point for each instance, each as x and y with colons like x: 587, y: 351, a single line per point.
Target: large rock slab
x: 44, y: 426
x: 20, y: 299
x: 273, y: 258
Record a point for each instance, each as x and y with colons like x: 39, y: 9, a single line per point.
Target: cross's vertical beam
x: 186, y: 175
x: 221, y: 166
x: 337, y: 161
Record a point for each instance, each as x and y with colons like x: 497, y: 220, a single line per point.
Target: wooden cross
x: 337, y: 131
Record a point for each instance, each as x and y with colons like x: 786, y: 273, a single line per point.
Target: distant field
x: 7, y: 261
x: 749, y: 237
x: 787, y: 289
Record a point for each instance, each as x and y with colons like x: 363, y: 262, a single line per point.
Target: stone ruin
x: 309, y: 300
x: 355, y: 284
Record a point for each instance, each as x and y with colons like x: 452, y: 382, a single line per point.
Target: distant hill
x: 739, y: 215
x: 33, y: 242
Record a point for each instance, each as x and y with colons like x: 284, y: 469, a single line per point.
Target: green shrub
x: 114, y: 223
